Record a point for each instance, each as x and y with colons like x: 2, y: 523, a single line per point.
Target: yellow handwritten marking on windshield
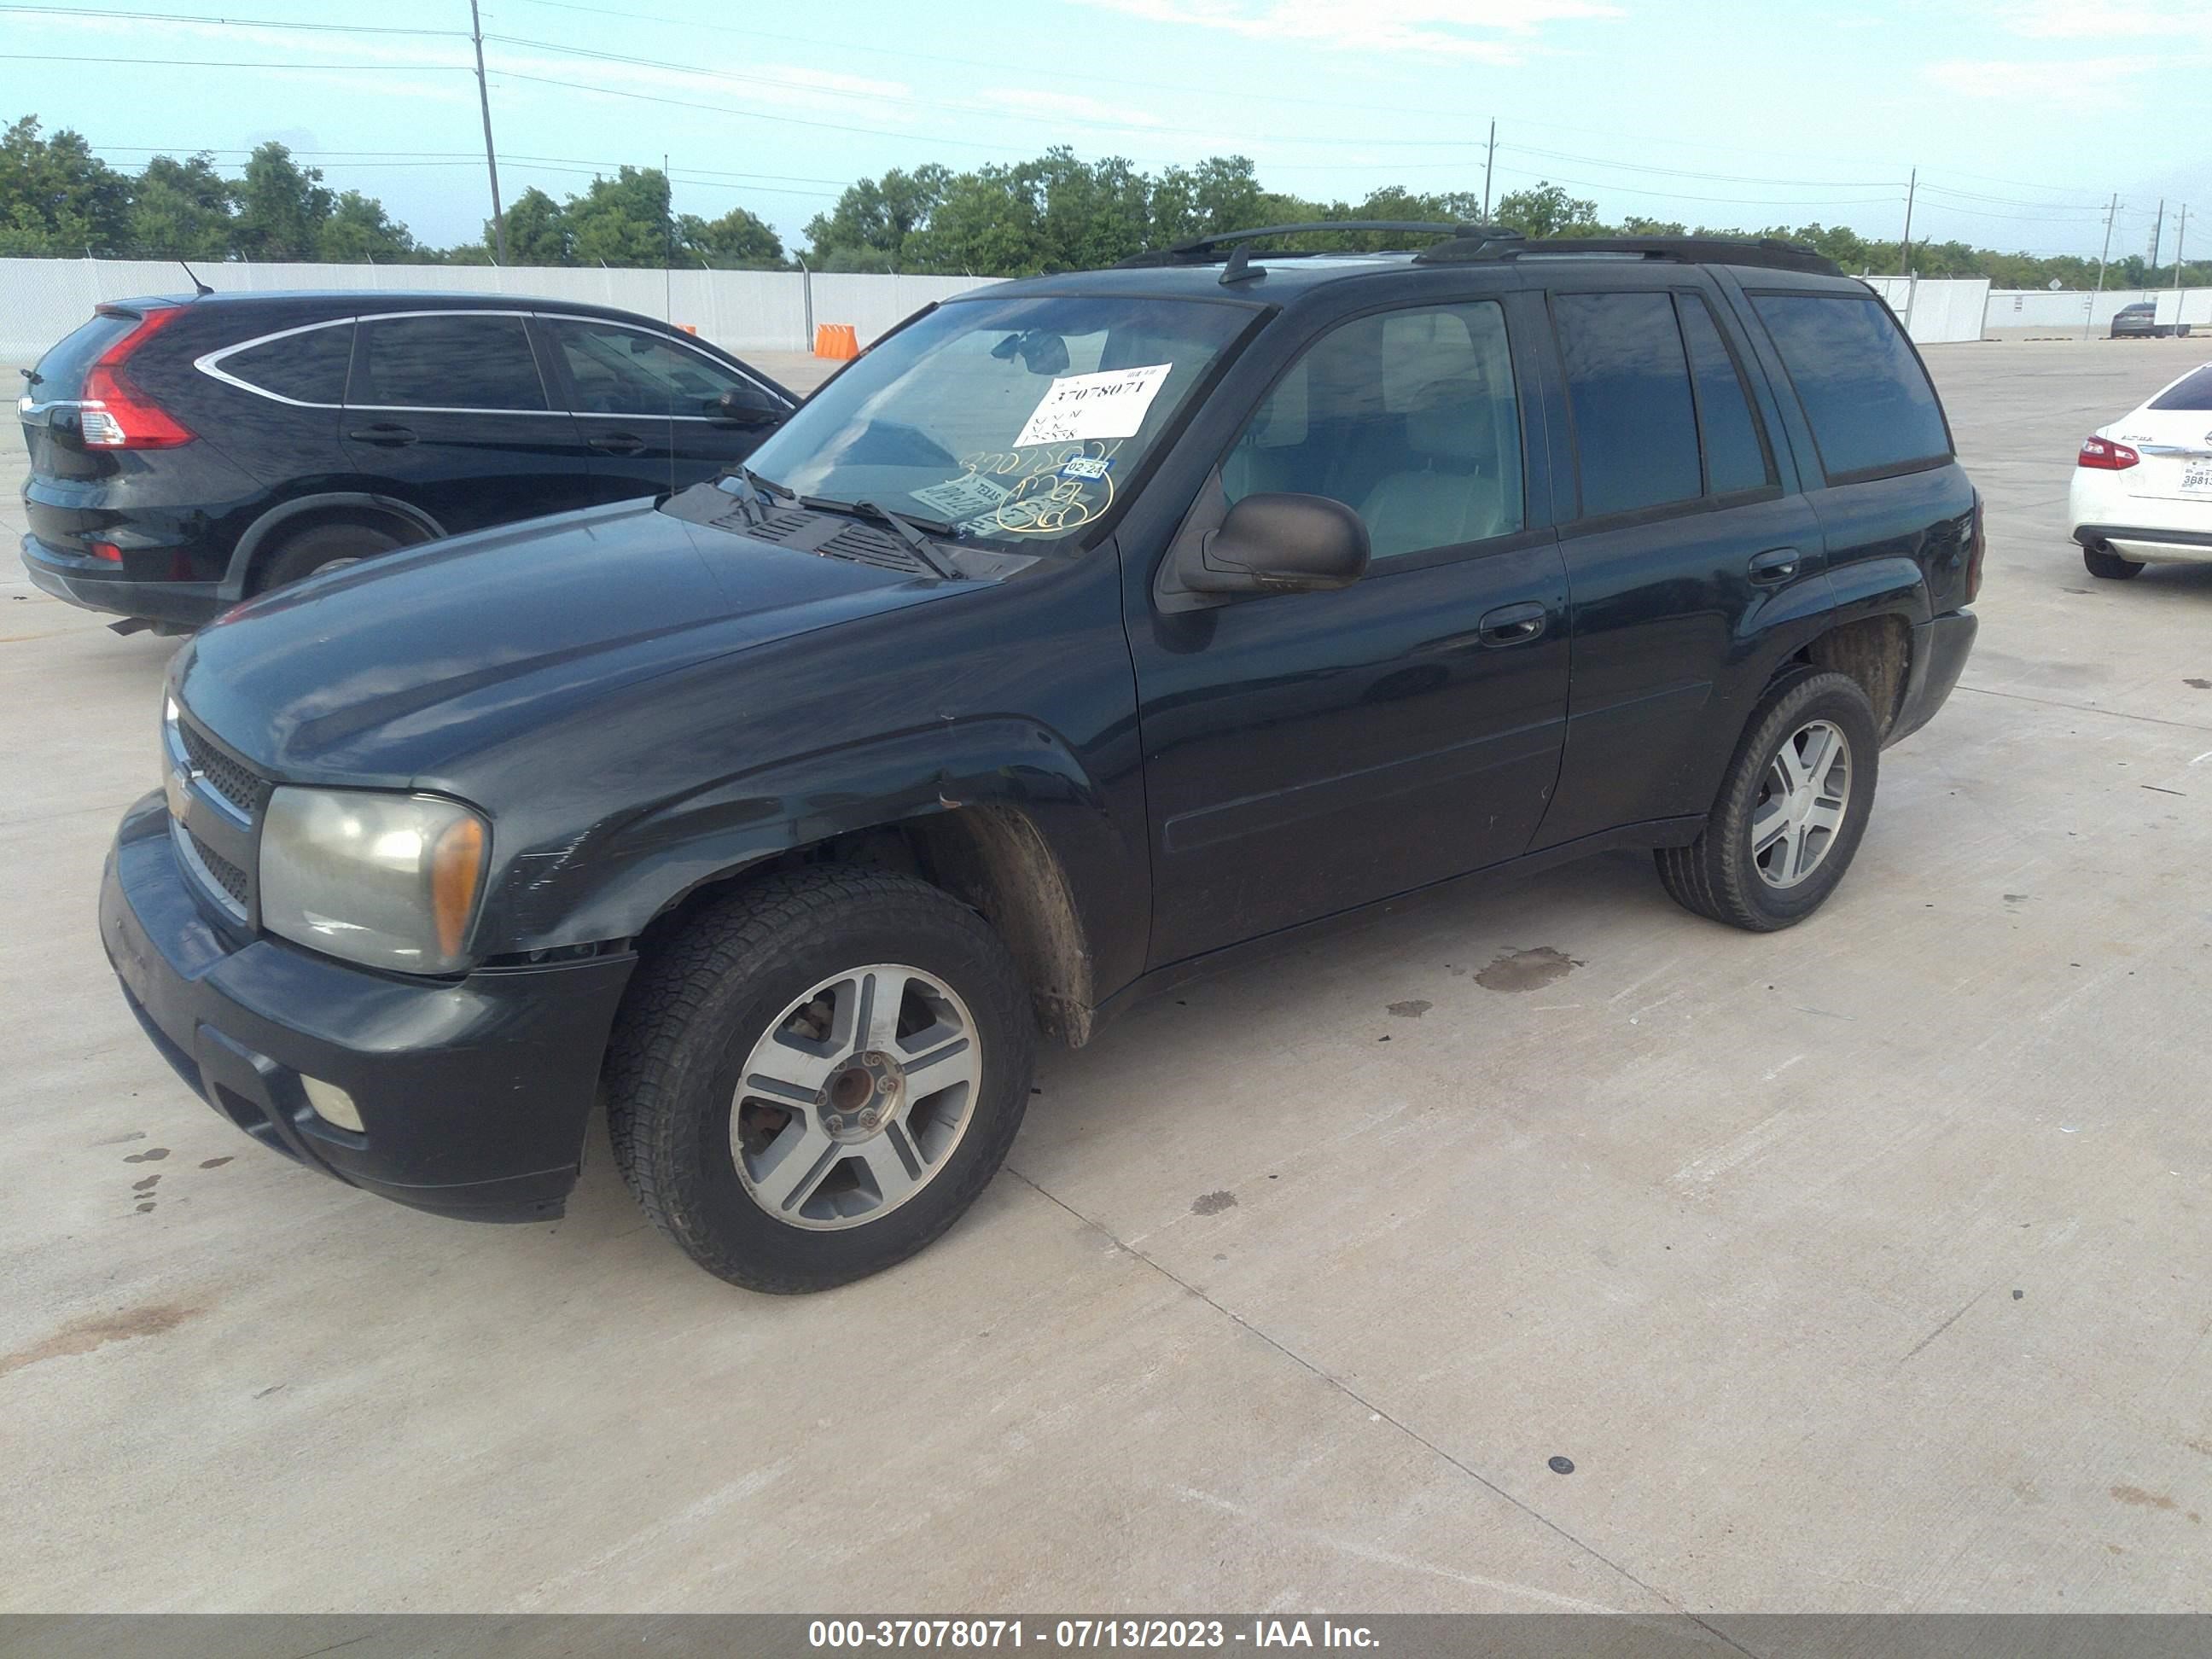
x: 1039, y: 502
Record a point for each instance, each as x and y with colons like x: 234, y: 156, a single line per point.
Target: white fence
x: 1935, y: 310
x: 42, y: 300
x: 2071, y: 308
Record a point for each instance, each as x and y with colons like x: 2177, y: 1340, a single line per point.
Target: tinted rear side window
x: 1628, y: 385
x: 2191, y: 392
x: 1868, y: 400
x: 61, y: 372
x: 308, y: 367
x: 460, y: 360
x: 1735, y: 455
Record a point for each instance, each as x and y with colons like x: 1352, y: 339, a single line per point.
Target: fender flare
x: 270, y: 523
x: 616, y: 879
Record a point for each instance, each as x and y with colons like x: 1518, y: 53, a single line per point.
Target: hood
x: 375, y: 674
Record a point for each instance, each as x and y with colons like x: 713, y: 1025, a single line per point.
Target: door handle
x: 618, y: 443
x: 386, y: 434
x: 1513, y: 624
x: 1777, y: 564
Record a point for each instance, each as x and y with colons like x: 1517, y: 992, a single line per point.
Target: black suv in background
x: 1084, y: 631
x: 186, y: 452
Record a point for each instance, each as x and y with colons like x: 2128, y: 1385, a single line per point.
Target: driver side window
x: 1408, y: 417
x: 625, y: 371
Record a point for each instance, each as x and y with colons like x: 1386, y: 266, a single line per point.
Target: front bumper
x: 473, y: 1093
x: 1940, y: 649
x: 99, y: 585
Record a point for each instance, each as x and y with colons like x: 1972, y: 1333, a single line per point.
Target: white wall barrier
x: 42, y: 300
x: 2070, y: 308
x: 1936, y: 310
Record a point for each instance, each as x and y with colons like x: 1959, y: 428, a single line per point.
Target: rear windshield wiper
x: 911, y: 530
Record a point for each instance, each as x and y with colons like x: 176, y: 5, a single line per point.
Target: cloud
x: 2069, y: 78
x: 1494, y: 31
x: 2070, y: 20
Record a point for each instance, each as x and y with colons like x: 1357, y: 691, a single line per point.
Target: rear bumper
x: 99, y: 585
x: 1940, y: 649
x: 472, y: 1094
x: 2150, y: 543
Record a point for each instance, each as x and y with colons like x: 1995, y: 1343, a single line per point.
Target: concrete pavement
x: 1859, y: 1268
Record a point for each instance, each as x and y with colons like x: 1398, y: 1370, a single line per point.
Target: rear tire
x: 1771, y: 853
x: 818, y: 1075
x: 321, y: 547
x: 2103, y: 561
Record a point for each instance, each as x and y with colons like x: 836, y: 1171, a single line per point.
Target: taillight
x: 107, y: 550
x: 112, y: 412
x: 2105, y: 455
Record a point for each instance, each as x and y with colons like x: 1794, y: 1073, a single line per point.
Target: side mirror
x: 747, y: 406
x: 1280, y: 544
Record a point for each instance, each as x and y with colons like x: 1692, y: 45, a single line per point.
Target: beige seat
x: 1454, y: 494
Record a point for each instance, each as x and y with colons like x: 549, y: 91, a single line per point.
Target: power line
x: 596, y: 55
x: 104, y: 15
x: 223, y: 63
x: 1678, y: 195
x: 1714, y: 178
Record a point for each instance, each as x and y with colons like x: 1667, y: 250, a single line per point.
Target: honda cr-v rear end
x: 118, y: 497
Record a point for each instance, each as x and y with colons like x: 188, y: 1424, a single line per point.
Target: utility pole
x: 2104, y: 253
x: 1904, y: 247
x: 2181, y: 232
x: 1488, y: 162
x: 2157, y: 232
x: 491, y: 158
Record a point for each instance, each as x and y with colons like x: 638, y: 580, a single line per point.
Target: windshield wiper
x: 910, y: 530
x: 766, y: 486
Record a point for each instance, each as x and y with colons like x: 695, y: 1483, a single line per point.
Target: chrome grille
x: 246, y: 790
x: 220, y: 870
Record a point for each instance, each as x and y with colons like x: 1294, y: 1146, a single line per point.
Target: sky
x: 2023, y: 116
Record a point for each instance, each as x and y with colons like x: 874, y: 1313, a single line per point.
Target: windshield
x: 1009, y: 419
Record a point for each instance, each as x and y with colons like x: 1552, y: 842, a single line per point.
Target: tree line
x: 58, y: 199
x: 1053, y: 212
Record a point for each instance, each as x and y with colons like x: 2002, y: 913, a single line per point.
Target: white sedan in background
x: 2142, y: 486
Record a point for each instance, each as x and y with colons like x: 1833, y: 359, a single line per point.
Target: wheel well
x: 1877, y: 653
x: 993, y: 859
x: 284, y: 533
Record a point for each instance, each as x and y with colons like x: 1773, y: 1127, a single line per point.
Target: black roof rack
x: 1768, y: 252
x: 1199, y: 250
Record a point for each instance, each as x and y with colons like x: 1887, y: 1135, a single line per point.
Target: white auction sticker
x: 1109, y: 404
x: 963, y: 497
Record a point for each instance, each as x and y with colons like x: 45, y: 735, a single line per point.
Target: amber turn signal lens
x: 456, y: 864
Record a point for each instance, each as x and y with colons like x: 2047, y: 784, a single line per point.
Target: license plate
x: 2196, y: 476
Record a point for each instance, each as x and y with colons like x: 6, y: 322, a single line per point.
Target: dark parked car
x: 2140, y: 321
x: 186, y: 452
x: 1085, y: 631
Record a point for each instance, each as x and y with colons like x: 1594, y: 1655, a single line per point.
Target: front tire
x: 818, y: 1076
x: 2103, y: 561
x: 1790, y: 811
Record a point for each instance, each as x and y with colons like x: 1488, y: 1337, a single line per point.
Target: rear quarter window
x: 1871, y: 408
x: 307, y: 367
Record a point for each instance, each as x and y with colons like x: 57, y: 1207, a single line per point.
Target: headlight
x: 390, y: 881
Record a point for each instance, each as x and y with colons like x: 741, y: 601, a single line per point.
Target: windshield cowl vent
x: 829, y: 535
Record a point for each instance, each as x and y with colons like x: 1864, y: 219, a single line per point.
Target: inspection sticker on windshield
x: 1109, y: 404
x: 1088, y: 467
x: 964, y: 497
